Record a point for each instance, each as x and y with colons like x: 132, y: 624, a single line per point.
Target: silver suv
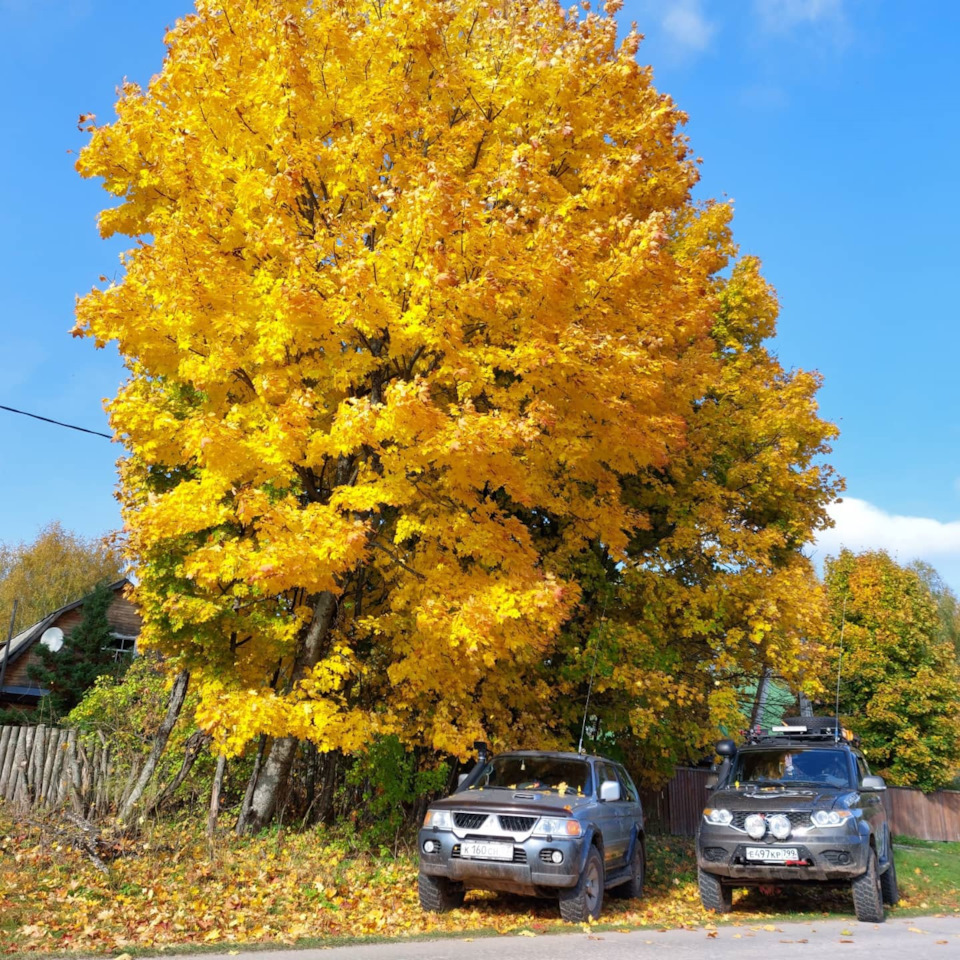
x: 559, y: 825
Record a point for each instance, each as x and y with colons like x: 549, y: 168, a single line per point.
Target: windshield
x: 546, y: 774
x: 827, y: 767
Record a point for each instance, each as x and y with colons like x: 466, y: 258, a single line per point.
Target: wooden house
x: 16, y: 688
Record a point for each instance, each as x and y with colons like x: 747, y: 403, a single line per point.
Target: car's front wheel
x: 713, y: 894
x: 867, y: 895
x: 585, y: 901
x: 439, y: 894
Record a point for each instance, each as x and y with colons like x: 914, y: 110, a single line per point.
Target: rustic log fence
x: 45, y: 766
x: 59, y: 768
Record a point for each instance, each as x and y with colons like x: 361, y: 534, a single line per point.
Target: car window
x: 862, y: 769
x: 792, y: 765
x: 607, y: 771
x: 546, y: 774
x: 627, y: 788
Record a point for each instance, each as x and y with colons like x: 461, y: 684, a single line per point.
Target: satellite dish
x: 52, y: 639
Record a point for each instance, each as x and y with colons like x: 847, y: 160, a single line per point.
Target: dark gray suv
x: 557, y: 825
x: 797, y: 805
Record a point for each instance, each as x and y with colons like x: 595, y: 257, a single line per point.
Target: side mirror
x: 726, y: 748
x: 873, y: 783
x: 711, y: 781
x: 461, y: 778
x: 609, y: 791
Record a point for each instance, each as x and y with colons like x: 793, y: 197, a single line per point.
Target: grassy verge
x: 171, y: 890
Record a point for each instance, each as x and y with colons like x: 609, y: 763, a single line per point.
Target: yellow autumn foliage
x: 417, y: 288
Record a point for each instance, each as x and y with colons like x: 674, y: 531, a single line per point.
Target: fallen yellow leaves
x: 170, y: 888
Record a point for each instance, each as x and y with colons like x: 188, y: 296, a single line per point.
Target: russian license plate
x: 772, y: 854
x: 482, y: 850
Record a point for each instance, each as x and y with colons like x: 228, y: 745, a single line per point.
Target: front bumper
x: 528, y: 873
x: 823, y: 856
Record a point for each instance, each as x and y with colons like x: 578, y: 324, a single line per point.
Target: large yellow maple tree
x: 416, y: 286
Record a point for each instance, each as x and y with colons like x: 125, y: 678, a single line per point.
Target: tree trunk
x: 251, y: 786
x: 215, y: 796
x: 276, y: 768
x: 177, y: 695
x: 760, y: 703
x: 195, y: 743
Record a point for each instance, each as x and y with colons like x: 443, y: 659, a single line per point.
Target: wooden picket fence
x: 46, y: 766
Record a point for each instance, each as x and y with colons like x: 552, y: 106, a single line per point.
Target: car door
x: 632, y: 817
x: 871, y: 803
x: 614, y: 843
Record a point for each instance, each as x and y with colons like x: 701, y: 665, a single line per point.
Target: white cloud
x: 779, y: 16
x: 684, y: 22
x: 862, y: 526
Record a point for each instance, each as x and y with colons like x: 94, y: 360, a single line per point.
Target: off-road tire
x: 633, y: 888
x: 439, y: 894
x: 585, y: 901
x: 867, y: 896
x: 888, y: 884
x: 714, y: 895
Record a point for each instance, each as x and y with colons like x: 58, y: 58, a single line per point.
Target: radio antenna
x: 843, y: 624
x: 593, y: 670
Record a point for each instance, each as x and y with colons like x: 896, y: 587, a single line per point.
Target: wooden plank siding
x: 122, y: 615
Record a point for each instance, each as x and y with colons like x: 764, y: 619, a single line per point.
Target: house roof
x: 24, y: 640
x: 18, y: 694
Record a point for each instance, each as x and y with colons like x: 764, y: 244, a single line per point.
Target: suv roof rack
x: 803, y: 730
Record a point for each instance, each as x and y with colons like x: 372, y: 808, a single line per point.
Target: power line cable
x: 59, y: 423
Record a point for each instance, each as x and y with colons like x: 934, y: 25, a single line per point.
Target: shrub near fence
x: 54, y: 767
x: 676, y: 808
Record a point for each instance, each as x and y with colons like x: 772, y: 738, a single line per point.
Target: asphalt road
x: 904, y: 939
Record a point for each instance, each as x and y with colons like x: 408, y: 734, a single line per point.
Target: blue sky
x: 833, y: 124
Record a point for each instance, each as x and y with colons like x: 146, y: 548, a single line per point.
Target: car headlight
x: 722, y: 817
x: 441, y: 819
x: 830, y: 818
x: 755, y: 826
x: 557, y: 827
x: 779, y: 826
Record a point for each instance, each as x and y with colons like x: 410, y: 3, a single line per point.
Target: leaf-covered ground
x: 171, y: 888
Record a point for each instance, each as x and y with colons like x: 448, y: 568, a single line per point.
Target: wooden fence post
x: 53, y: 741
x: 4, y: 740
x: 37, y: 761
x: 56, y: 776
x: 21, y: 762
x: 6, y: 761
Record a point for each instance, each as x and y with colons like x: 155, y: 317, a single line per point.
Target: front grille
x: 519, y: 854
x: 714, y: 854
x: 469, y: 821
x: 797, y: 818
x: 517, y: 824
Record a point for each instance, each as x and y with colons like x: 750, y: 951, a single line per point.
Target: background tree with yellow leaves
x: 427, y: 339
x: 899, y: 678
x: 57, y: 568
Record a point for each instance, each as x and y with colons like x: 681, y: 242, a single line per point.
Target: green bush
x: 390, y: 782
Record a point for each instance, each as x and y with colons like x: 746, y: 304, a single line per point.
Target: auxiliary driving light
x: 780, y: 826
x: 755, y: 826
x: 429, y: 846
x: 557, y: 857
